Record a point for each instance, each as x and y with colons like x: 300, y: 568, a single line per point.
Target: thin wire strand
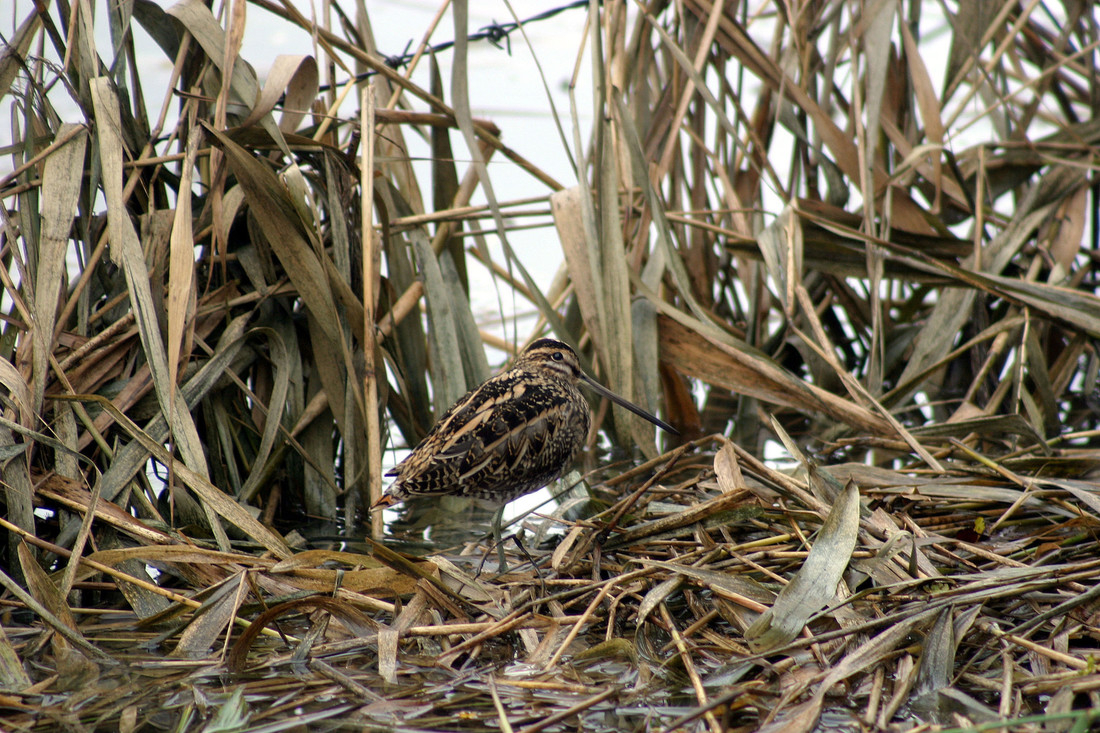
x: 495, y: 33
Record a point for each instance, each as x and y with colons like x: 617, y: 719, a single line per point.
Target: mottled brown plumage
x: 512, y: 435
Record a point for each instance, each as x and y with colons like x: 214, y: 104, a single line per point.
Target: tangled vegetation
x: 862, y: 235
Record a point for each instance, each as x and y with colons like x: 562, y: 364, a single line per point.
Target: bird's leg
x: 497, y: 542
x: 519, y: 543
x: 498, y: 519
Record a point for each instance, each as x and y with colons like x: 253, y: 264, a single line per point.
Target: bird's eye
x: 557, y: 356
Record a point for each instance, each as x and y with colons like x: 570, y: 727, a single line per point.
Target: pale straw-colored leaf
x: 693, y: 349
x: 449, y: 381
x: 877, y: 20
x: 62, y: 179
x: 292, y: 80
x: 815, y: 584
x: 212, y: 618
x: 18, y: 43
x: 204, y: 28
x: 929, y: 105
x: 567, y: 207
x: 181, y: 263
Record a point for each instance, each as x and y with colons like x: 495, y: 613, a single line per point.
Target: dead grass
x: 786, y: 230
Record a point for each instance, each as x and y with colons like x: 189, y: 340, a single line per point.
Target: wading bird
x: 512, y: 435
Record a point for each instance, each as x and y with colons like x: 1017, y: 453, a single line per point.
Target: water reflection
x: 424, y: 525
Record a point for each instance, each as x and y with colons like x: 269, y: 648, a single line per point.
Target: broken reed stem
x: 689, y: 667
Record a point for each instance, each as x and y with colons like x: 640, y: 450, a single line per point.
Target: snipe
x: 512, y: 435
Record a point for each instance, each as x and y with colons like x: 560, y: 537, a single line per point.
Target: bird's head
x: 553, y: 357
x: 550, y: 356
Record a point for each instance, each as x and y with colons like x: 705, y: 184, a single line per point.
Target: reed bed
x: 849, y: 249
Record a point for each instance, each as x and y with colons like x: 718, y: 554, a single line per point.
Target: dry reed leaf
x: 781, y: 246
x: 132, y: 457
x: 727, y: 471
x: 1080, y: 310
x: 803, y: 718
x: 646, y: 359
x: 449, y: 381
x: 723, y: 583
x: 815, y: 584
x: 471, y: 133
x: 462, y: 582
x: 472, y: 351
x: 18, y: 391
x: 11, y: 59
x: 668, y: 255
x: 993, y: 425
x: 656, y: 596
x: 181, y: 266
x: 183, y: 554
x: 18, y: 489
x: 387, y: 653
x: 349, y: 616
x: 218, y: 609
x: 277, y: 217
x: 61, y: 185
x: 43, y: 588
x: 1085, y: 492
x: 874, y: 35
x: 1069, y: 234
x: 276, y: 407
x: 72, y: 495
x: 47, y: 616
x: 375, y: 582
x: 612, y: 287
x: 971, y: 23
x: 13, y: 678
x: 303, y: 570
x: 934, y: 693
x: 905, y: 213
x: 567, y: 207
x: 925, y: 95
x: 204, y: 28
x: 694, y: 354
x: 292, y: 80
x: 447, y: 191
x: 1075, y: 307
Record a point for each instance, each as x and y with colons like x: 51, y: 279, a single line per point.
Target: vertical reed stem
x: 371, y: 257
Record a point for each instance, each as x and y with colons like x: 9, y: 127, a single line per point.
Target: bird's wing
x: 454, y: 443
x: 487, y: 439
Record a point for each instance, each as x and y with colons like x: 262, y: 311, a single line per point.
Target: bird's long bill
x: 622, y: 402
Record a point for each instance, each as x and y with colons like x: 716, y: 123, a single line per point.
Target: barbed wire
x: 498, y: 34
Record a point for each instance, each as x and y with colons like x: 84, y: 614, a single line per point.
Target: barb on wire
x: 498, y: 34
x: 396, y: 62
x: 495, y: 33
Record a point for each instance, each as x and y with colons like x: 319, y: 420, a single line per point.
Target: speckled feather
x: 512, y: 435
